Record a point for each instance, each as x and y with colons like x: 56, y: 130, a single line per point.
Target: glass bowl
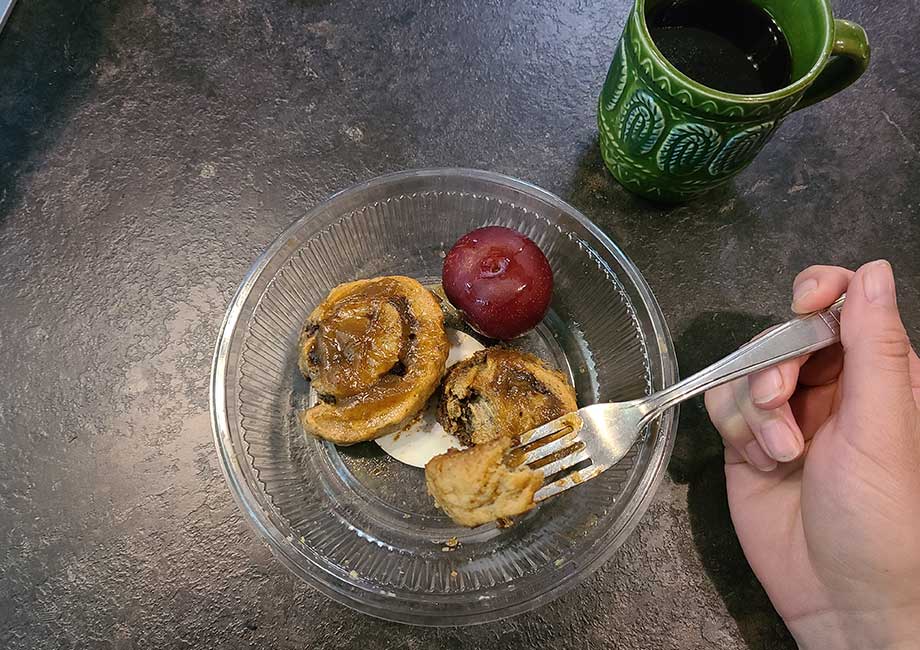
x: 357, y: 524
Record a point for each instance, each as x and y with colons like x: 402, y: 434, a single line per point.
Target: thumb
x: 876, y: 365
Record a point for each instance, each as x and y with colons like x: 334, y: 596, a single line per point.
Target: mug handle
x: 849, y: 59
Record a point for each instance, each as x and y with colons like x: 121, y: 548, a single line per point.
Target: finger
x: 775, y: 429
x: 814, y: 288
x: 823, y: 367
x: 773, y: 386
x: 877, y: 375
x: 732, y: 457
x: 818, y: 286
x: 740, y: 444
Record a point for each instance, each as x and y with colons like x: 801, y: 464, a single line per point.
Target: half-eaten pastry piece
x: 501, y: 392
x: 481, y: 484
x: 374, y: 350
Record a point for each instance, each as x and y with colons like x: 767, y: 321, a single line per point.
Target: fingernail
x: 878, y: 284
x: 766, y: 386
x: 802, y: 289
x: 758, y: 457
x: 780, y: 441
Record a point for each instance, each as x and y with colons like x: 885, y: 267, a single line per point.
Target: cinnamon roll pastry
x: 499, y: 393
x: 374, y: 351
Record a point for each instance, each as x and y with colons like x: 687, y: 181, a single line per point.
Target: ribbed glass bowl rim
x: 658, y: 342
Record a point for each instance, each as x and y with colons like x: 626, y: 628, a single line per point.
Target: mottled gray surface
x: 150, y: 150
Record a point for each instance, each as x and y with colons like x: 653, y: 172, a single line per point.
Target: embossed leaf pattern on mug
x: 642, y: 124
x: 616, y: 78
x: 688, y: 148
x: 667, y: 137
x: 740, y: 148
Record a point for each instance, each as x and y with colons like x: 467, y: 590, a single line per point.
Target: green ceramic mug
x: 669, y: 138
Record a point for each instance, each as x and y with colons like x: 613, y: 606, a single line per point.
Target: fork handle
x: 791, y: 339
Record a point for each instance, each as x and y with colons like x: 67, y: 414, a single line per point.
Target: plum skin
x: 500, y: 280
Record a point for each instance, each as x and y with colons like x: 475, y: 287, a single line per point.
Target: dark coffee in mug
x: 729, y: 45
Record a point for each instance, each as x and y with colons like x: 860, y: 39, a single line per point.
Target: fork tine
x: 548, y: 429
x: 535, y: 435
x: 523, y: 450
x: 567, y: 482
x: 551, y: 448
x: 565, y: 463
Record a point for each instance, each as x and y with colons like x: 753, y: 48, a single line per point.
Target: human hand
x: 822, y: 465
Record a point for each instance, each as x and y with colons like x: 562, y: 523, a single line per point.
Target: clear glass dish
x: 355, y: 523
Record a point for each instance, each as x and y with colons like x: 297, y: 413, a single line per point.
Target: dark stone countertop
x: 150, y: 149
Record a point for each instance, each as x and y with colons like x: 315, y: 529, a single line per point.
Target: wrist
x: 892, y: 629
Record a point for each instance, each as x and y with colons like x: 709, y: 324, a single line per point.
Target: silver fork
x: 596, y: 437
